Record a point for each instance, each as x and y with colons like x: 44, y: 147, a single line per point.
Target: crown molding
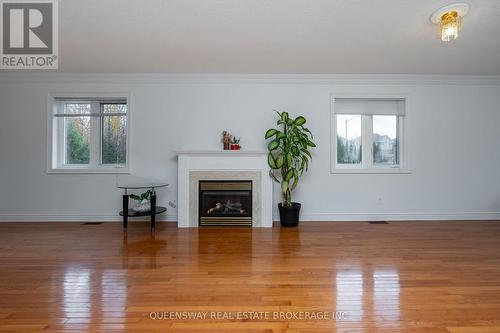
x: 158, y: 78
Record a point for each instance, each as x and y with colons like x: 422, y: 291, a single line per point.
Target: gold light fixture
x: 449, y: 26
x: 449, y: 20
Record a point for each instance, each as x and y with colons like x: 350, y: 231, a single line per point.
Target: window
x: 89, y: 134
x: 368, y: 135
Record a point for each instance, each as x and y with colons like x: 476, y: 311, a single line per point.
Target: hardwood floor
x: 397, y: 277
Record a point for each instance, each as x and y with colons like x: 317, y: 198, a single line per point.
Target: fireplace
x: 225, y: 203
x: 234, y: 166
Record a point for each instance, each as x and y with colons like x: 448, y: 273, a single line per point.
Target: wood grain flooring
x: 396, y: 277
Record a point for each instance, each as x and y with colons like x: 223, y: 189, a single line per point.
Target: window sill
x: 89, y: 171
x: 371, y: 171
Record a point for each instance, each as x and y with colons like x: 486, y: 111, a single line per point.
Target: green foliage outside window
x: 78, y: 147
x: 114, y: 140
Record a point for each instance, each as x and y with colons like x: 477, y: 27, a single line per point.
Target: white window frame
x: 367, y: 165
x: 55, y: 137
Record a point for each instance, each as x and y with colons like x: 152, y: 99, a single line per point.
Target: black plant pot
x: 289, y: 215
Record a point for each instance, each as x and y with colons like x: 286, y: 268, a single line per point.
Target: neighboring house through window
x: 368, y: 135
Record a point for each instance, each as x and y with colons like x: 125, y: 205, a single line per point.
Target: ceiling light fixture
x: 449, y: 20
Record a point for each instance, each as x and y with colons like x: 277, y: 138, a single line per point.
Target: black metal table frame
x: 154, y: 210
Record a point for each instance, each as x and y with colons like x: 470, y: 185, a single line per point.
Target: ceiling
x: 273, y: 37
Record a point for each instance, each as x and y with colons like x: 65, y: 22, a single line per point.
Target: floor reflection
x: 386, y: 295
x: 113, y: 298
x: 355, y: 299
x: 141, y: 253
x: 350, y: 293
x: 77, y: 294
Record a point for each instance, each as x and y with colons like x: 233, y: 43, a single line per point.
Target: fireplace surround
x: 229, y: 166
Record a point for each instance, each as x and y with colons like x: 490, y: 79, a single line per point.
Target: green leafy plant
x: 235, y: 141
x: 289, y: 154
x: 144, y: 196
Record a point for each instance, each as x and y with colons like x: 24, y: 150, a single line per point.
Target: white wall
x: 453, y: 143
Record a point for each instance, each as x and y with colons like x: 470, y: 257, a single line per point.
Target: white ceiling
x: 274, y: 36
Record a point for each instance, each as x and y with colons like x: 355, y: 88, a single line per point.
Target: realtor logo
x: 29, y: 34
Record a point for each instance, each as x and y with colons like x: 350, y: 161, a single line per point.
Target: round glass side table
x: 154, y: 210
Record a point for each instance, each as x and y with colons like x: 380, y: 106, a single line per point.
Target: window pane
x: 385, y: 140
x: 77, y: 132
x: 77, y: 108
x: 114, y: 140
x: 114, y: 108
x: 348, y: 139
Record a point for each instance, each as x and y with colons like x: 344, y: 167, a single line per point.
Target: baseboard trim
x: 318, y: 217
x: 304, y: 217
x: 77, y: 218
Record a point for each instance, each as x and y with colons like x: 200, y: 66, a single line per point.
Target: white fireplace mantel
x: 196, y: 165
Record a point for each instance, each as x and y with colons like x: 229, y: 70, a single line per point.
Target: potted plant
x: 288, y: 159
x: 235, y: 144
x: 144, y: 203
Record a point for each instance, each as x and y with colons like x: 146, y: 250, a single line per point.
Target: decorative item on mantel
x: 226, y: 140
x: 230, y: 142
x: 235, y: 145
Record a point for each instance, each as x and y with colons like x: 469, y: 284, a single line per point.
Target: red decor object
x: 229, y: 142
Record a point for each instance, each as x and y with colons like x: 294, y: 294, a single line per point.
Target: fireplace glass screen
x: 225, y: 203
